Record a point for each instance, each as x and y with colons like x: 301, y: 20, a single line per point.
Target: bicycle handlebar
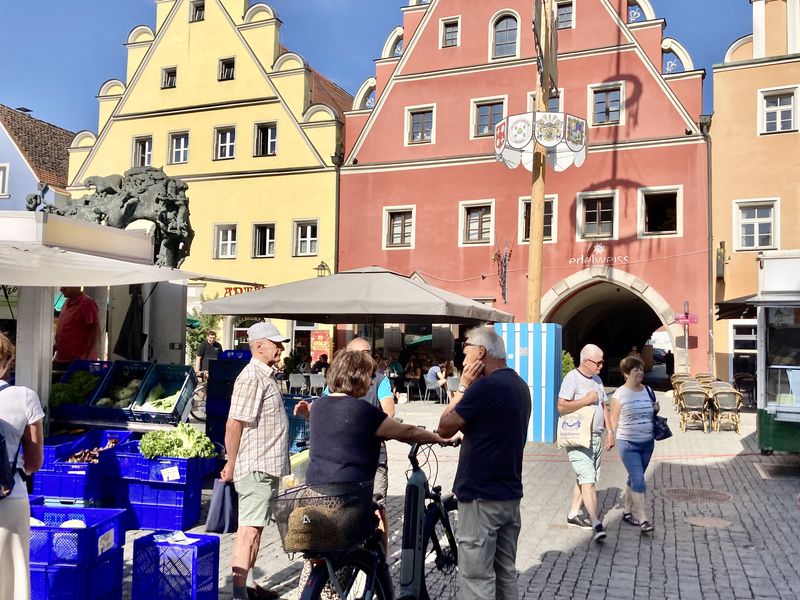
x: 415, y: 447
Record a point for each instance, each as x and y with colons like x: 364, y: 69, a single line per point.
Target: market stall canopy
x: 745, y: 307
x: 370, y: 294
x: 42, y: 250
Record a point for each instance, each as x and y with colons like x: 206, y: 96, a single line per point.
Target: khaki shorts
x: 586, y: 461
x: 256, y: 491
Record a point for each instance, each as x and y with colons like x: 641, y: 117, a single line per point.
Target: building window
x: 264, y: 240
x: 225, y: 241
x: 421, y: 126
x: 607, y: 106
x: 266, y: 139
x: 477, y: 223
x: 778, y: 109
x: 399, y: 228
x: 744, y: 339
x: 142, y: 152
x: 757, y: 225
x: 596, y: 216
x: 225, y: 143
x: 554, y: 103
x: 197, y: 12
x: 169, y: 78
x: 179, y: 148
x: 487, y: 115
x: 565, y: 15
x: 227, y: 69
x: 4, y: 180
x: 450, y: 33
x: 660, y: 212
x: 549, y: 208
x: 305, y: 238
x: 505, y: 37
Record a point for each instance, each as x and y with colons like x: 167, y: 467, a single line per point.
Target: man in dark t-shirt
x: 492, y: 408
x: 209, y: 349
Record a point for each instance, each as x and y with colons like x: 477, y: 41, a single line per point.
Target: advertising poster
x: 320, y: 344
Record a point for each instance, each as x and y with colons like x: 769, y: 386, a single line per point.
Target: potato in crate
x: 165, y: 395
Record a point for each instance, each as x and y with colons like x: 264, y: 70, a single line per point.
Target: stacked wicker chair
x: 701, y: 399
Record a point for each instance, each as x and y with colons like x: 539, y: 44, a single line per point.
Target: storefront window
x: 783, y: 356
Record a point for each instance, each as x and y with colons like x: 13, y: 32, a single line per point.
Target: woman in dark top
x: 346, y: 431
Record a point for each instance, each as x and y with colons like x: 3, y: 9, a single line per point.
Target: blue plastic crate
x: 164, y: 494
x: 121, y: 372
x: 166, y: 570
x: 235, y: 354
x: 134, y: 465
x: 226, y: 370
x: 56, y: 448
x: 99, y: 368
x: 173, y: 518
x: 215, y: 428
x: 217, y: 407
x: 298, y: 426
x: 100, y: 580
x: 35, y: 500
x: 52, y: 544
x: 174, y: 378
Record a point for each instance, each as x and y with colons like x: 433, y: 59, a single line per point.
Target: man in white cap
x: 257, y: 443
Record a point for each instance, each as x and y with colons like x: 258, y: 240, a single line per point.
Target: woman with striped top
x: 632, y: 410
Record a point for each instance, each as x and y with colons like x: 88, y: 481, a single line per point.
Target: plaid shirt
x: 258, y: 403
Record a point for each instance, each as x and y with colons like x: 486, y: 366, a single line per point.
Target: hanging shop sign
x: 564, y: 135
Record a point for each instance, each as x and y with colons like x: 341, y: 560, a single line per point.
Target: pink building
x: 626, y: 234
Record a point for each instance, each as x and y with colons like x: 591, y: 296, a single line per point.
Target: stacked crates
x: 76, y: 562
x: 176, y: 566
x: 161, y: 493
x: 222, y: 374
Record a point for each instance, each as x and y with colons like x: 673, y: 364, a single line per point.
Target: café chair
x: 316, y: 382
x: 725, y: 407
x: 297, y: 381
x: 433, y: 387
x: 693, y: 407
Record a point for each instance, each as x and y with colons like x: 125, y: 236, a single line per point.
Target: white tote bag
x: 575, y: 429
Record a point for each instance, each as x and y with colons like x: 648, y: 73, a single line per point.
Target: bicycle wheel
x: 354, y: 571
x: 440, y: 567
x: 198, y: 410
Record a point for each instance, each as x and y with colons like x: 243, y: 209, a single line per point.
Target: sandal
x: 630, y: 519
x: 647, y: 527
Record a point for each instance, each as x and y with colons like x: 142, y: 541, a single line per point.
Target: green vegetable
x: 182, y: 442
x: 75, y: 391
x: 156, y: 393
x: 105, y: 402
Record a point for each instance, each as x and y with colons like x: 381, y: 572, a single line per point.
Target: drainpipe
x: 705, y: 129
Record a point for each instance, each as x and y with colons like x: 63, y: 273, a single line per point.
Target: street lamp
x: 322, y: 269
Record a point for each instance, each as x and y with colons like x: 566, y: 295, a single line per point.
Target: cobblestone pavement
x: 747, y: 546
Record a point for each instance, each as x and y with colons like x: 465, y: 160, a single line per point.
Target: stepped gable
x: 43, y: 145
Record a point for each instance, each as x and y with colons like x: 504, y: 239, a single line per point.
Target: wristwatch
x: 461, y: 389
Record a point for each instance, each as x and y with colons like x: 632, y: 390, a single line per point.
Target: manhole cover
x: 696, y: 495
x: 781, y: 472
x: 708, y: 522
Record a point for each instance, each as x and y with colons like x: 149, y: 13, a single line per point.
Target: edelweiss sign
x: 598, y: 256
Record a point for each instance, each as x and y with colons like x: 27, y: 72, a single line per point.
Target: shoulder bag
x: 661, y: 430
x: 8, y: 467
x: 575, y: 428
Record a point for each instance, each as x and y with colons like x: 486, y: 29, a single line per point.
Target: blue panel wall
x: 21, y: 180
x: 534, y: 351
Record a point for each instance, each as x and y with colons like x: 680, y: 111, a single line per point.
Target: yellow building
x: 213, y: 97
x: 756, y: 181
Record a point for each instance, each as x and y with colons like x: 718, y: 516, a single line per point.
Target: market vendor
x: 209, y: 349
x: 78, y: 328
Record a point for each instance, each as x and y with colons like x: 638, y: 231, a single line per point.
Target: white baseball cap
x: 265, y: 331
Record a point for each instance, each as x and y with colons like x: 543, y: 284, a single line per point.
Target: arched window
x: 505, y: 37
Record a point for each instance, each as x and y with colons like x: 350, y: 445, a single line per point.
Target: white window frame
x: 173, y: 136
x: 255, y: 240
x: 763, y: 94
x: 192, y: 11
x: 407, y: 124
x: 273, y: 143
x: 532, y: 101
x: 560, y: 3
x: 148, y: 153
x: 776, y: 223
x: 4, y: 169
x: 473, y: 114
x: 221, y: 67
x: 579, y: 221
x: 387, y: 211
x: 229, y: 243
x: 640, y: 211
x: 449, y: 21
x: 463, y: 205
x: 218, y: 145
x: 296, y: 225
x: 604, y: 87
x: 492, y: 22
x: 164, y: 72
x: 732, y: 338
x: 523, y: 200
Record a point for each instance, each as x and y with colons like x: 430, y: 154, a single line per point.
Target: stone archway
x: 562, y: 291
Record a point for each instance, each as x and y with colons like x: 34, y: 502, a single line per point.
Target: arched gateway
x: 612, y: 308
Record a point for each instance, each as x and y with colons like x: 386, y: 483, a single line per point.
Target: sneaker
x: 599, y: 533
x: 647, y: 527
x: 580, y: 520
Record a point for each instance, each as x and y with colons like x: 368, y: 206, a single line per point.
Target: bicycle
x: 429, y: 557
x: 198, y: 400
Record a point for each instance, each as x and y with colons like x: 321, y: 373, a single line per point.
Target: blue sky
x: 57, y: 53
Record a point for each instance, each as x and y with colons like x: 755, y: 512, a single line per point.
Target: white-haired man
x: 492, y: 407
x: 257, y: 443
x: 583, y: 387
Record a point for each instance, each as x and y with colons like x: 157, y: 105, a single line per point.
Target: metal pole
x: 686, y: 334
x: 536, y: 231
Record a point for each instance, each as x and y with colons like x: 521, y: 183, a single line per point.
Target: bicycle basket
x: 325, y: 518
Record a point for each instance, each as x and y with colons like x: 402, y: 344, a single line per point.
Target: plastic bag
x: 223, y: 511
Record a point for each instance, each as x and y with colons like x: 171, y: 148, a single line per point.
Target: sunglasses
x: 599, y: 363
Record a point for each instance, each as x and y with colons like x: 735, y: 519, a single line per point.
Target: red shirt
x: 75, y: 330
